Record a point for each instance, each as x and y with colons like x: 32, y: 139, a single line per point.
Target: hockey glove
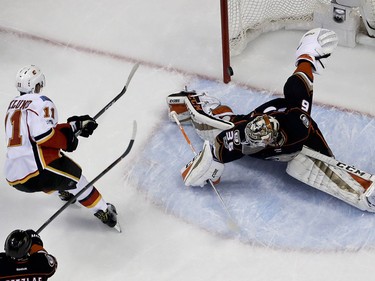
x: 83, y: 125
x: 315, y: 45
x: 35, y: 238
x: 209, y: 117
x: 176, y: 104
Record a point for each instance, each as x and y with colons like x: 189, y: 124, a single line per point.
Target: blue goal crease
x: 270, y: 207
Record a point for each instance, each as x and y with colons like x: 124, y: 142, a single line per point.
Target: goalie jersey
x: 296, y: 127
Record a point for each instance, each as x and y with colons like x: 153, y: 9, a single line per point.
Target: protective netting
x: 249, y: 18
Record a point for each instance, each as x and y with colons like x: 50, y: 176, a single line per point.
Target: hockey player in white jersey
x: 35, y: 143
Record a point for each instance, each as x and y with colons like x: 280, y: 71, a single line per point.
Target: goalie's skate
x: 109, y: 217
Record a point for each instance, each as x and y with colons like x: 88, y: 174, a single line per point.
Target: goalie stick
x: 91, y: 183
x: 231, y: 223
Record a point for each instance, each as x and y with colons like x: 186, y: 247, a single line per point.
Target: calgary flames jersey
x: 30, y: 121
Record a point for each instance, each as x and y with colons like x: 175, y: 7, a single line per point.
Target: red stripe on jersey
x: 92, y: 199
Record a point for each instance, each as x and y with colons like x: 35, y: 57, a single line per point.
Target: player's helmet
x: 17, y: 244
x: 262, y: 130
x: 28, y: 77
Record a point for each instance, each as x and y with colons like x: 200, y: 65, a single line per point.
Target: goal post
x: 227, y: 69
x: 244, y: 20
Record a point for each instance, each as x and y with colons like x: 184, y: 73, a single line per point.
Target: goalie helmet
x: 262, y: 130
x: 28, y: 78
x: 17, y: 244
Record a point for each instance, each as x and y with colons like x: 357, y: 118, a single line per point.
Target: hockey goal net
x: 244, y: 20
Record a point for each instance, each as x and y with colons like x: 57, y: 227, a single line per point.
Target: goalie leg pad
x: 202, y: 168
x: 340, y: 180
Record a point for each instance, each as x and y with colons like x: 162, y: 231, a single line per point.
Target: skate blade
x: 118, y: 227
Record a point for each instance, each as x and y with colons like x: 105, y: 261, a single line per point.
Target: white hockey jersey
x: 29, y: 121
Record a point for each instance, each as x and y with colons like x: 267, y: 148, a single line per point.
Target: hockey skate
x: 108, y: 217
x: 66, y: 196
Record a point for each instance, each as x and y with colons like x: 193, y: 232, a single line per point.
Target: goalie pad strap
x: 336, y: 178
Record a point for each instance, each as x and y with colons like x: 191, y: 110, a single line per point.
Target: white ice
x: 86, y: 50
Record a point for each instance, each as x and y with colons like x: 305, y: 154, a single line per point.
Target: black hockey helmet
x: 17, y: 244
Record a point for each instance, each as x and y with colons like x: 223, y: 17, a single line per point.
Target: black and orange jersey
x: 297, y: 128
x: 38, y: 266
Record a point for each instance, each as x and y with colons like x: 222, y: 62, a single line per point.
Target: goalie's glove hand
x: 83, y: 125
x: 315, y: 45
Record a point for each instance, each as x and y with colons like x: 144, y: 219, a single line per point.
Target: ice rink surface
x: 288, y: 231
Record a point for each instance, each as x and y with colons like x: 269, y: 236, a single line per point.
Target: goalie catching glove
x: 203, y: 168
x: 83, y: 125
x: 315, y: 45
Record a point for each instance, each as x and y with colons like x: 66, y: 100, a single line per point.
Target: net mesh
x: 249, y: 18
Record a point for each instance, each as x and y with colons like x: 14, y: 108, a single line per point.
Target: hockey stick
x: 231, y: 223
x: 116, y: 98
x: 123, y: 91
x: 91, y: 183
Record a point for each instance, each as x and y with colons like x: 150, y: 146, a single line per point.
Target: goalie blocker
x: 336, y: 178
x: 208, y: 117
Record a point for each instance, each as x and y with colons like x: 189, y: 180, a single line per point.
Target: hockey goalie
x: 281, y: 129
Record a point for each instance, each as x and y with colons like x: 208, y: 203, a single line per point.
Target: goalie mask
x: 262, y: 130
